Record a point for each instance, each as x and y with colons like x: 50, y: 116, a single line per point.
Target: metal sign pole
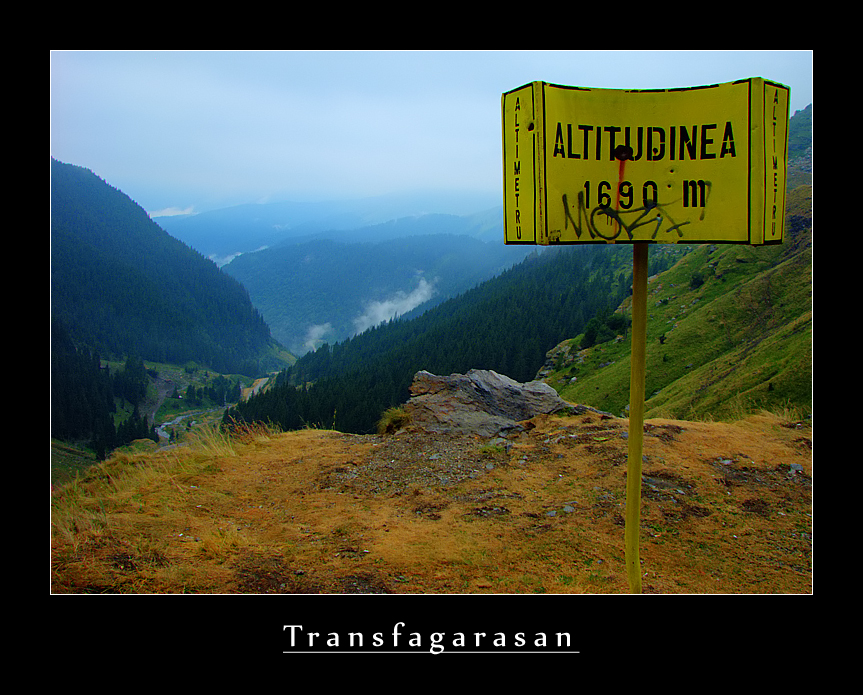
x: 636, y: 414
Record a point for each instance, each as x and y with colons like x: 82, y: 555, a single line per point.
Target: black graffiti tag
x: 591, y: 221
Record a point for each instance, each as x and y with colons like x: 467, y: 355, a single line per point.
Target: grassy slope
x: 740, y: 342
x: 726, y: 510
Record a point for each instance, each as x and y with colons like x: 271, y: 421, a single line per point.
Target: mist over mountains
x: 225, y: 233
x: 327, y: 291
x: 324, y: 272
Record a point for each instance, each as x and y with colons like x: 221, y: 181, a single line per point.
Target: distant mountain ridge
x: 121, y: 285
x: 225, y: 233
x: 322, y: 280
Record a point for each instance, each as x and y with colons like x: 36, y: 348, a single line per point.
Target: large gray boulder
x: 481, y: 402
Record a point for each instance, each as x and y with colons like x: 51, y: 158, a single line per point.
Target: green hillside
x: 800, y: 148
x: 729, y: 331
x: 121, y: 285
x: 124, y: 291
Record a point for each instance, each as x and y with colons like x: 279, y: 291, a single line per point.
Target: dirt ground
x: 726, y: 509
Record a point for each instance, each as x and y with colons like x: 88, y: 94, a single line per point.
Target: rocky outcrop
x: 481, y: 402
x: 560, y: 356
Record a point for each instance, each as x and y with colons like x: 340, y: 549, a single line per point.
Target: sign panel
x: 693, y: 165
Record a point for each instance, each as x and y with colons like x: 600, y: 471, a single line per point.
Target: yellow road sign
x: 690, y: 165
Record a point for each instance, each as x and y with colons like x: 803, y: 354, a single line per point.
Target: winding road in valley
x: 165, y: 387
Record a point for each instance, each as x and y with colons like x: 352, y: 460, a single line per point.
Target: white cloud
x: 400, y: 303
x: 173, y: 212
x: 223, y: 260
x: 315, y: 334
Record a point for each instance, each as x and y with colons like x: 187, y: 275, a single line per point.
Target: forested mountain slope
x: 505, y: 324
x: 122, y: 285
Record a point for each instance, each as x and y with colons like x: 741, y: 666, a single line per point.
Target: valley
x: 329, y: 290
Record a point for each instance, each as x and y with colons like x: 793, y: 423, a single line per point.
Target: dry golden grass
x: 723, y: 511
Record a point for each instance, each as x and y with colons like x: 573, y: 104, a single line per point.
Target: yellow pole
x: 636, y: 414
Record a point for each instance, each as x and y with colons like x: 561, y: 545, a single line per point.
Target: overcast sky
x: 194, y: 131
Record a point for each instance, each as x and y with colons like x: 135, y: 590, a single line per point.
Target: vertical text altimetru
x: 517, y: 167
